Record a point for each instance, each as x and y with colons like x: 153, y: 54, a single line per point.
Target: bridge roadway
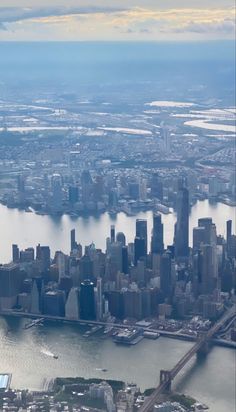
x: 170, y: 375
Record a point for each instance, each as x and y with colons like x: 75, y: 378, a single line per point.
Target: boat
x: 55, y: 357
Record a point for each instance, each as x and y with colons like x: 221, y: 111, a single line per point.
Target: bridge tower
x: 165, y: 377
x: 205, y: 346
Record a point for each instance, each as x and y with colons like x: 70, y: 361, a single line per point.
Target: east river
x: 28, y: 354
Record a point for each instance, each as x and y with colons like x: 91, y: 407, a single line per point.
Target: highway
x: 164, y: 333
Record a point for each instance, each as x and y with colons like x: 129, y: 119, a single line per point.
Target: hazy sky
x: 178, y: 20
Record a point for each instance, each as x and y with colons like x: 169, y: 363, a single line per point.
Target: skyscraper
x: 165, y: 271
x: 72, y: 240
x: 182, y: 224
x: 139, y: 249
x: 157, y: 245
x: 87, y: 301
x: 141, y: 231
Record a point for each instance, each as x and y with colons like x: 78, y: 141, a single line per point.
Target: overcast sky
x: 128, y: 20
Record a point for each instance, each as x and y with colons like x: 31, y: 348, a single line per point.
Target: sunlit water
x: 28, y: 355
x: 29, y: 229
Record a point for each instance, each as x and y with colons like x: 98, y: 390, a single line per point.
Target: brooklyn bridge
x: 201, y: 347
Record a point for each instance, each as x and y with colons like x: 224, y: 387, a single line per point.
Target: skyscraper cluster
x: 141, y: 279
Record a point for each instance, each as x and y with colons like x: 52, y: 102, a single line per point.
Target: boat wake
x: 47, y: 352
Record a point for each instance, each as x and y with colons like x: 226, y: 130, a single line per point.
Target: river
x: 29, y: 229
x: 28, y: 355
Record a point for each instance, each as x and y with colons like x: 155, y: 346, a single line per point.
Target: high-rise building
x: 87, y: 301
x: 99, y: 301
x: 54, y: 303
x: 125, y: 260
x: 157, y: 244
x: 43, y: 255
x: 11, y: 282
x: 165, y: 274
x: 182, y: 224
x: 72, y: 240
x: 141, y: 231
x: 120, y: 237
x: 228, y: 236
x: 113, y: 232
x: 209, y: 268
x: 139, y: 249
x: 72, y: 304
x: 15, y: 253
x: 210, y: 237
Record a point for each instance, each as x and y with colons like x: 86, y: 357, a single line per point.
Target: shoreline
x: 80, y: 322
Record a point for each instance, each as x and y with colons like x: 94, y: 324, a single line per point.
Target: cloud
x: 116, y: 23
x: 15, y: 14
x: 225, y: 26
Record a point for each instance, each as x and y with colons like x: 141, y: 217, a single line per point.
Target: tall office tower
x: 86, y: 268
x: 120, y: 237
x: 73, y: 243
x: 156, y: 187
x: 146, y: 303
x: 157, y: 244
x: 209, y: 269
x: 73, y: 195
x: 43, y: 254
x: 87, y: 301
x: 11, y: 282
x: 198, y: 237
x: 132, y: 304
x: 61, y: 264
x: 139, y: 249
x: 125, y: 260
x: 27, y: 255
x: 15, y: 253
x: 115, y: 254
x: 54, y: 303
x: 72, y: 304
x: 228, y: 235
x: 182, y: 224
x: 210, y: 237
x: 141, y: 231
x: 56, y: 193
x: 165, y: 272
x: 99, y: 301
x: 112, y: 234
x: 116, y: 303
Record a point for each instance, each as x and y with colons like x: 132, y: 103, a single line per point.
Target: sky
x: 117, y: 20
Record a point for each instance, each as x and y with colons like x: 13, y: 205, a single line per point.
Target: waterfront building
x: 87, y: 301
x: 72, y: 304
x: 11, y: 283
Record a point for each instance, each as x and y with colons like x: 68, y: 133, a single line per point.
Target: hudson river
x: 29, y: 229
x: 28, y: 354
